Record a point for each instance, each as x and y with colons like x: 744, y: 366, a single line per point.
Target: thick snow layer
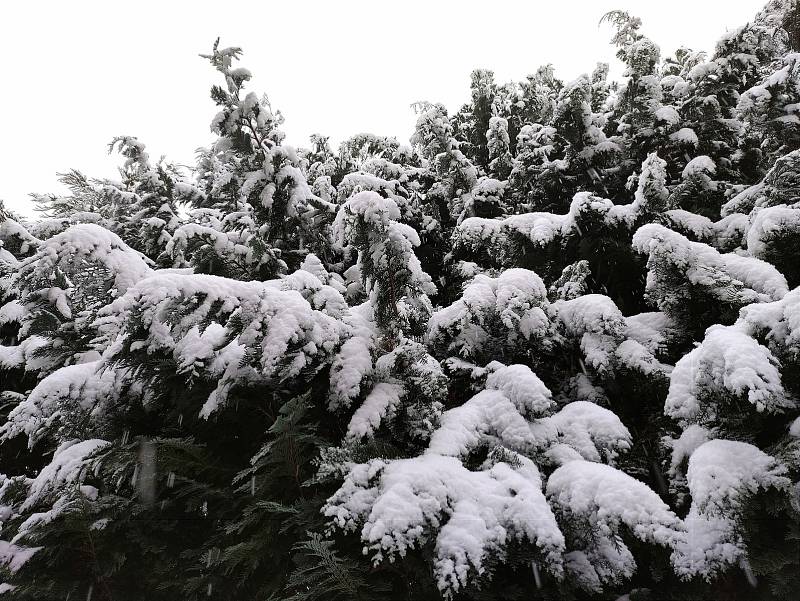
x: 353, y: 363
x: 609, y: 500
x: 767, y: 224
x: 651, y: 196
x: 590, y: 313
x: 596, y: 433
x: 668, y: 114
x: 596, y: 322
x: 651, y: 330
x: 369, y: 222
x: 721, y: 475
x: 251, y: 331
x: 499, y: 416
x: 374, y: 209
x: 24, y: 355
x: 225, y: 244
x: 758, y: 275
x: 727, y: 363
x: 757, y: 102
x: 686, y: 444
x: 94, y: 244
x: 66, y: 469
x: 8, y: 261
x: 515, y: 299
x: 538, y: 228
x: 379, y: 404
x: 722, y: 472
x: 699, y: 166
x: 727, y: 276
x: 472, y: 515
x: 498, y: 237
x: 685, y: 136
x: 637, y: 357
x: 744, y: 201
x: 319, y: 295
x: 11, y: 229
x: 578, y: 569
x: 350, y: 366
x: 65, y: 392
x: 778, y: 323
x: 699, y: 226
x: 488, y: 417
x: 12, y: 312
x: 725, y: 234
x: 522, y: 387
x: 13, y: 557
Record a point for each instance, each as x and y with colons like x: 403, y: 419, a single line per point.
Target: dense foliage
x: 548, y: 350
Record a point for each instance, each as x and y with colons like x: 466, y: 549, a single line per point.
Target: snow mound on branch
x: 319, y: 295
x: 67, y: 390
x: 10, y: 229
x: 59, y: 485
x: 488, y: 417
x: 699, y: 166
x: 725, y: 234
x: 353, y: 362
x: 597, y: 498
x: 378, y: 406
x: 685, y: 135
x: 668, y: 114
x: 725, y: 276
x: 597, y: 323
x: 610, y: 499
x: 722, y: 474
x: 373, y: 208
x: 727, y: 362
x: 596, y: 433
x: 651, y: 195
x: 493, y: 418
x: 66, y: 469
x: 91, y: 243
x: 402, y: 504
x: 225, y: 244
x: 744, y: 201
x: 515, y: 299
x: 769, y: 223
x: 686, y: 444
x: 12, y: 312
x: 500, y: 238
x: 778, y: 323
x: 228, y: 331
x: 13, y: 557
x: 24, y: 355
x: 522, y: 387
x: 538, y: 228
x: 651, y: 330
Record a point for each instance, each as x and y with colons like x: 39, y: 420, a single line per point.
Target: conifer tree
x: 549, y: 350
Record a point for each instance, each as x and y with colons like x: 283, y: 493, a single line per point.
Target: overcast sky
x: 77, y: 73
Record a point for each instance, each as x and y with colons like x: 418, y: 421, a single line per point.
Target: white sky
x: 77, y: 73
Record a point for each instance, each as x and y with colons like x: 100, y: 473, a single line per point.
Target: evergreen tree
x: 549, y: 350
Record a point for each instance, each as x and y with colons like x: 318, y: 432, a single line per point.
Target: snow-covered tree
x: 152, y: 195
x: 393, y: 278
x: 270, y: 213
x: 548, y: 350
